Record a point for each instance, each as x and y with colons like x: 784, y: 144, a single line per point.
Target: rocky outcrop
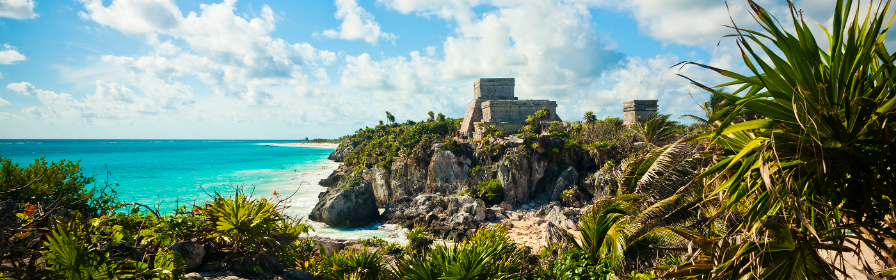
x: 450, y: 217
x: 601, y: 184
x: 513, y: 172
x: 567, y: 179
x: 447, y: 173
x: 407, y: 178
x: 350, y: 204
x: 343, y: 150
x: 556, y: 215
x: 379, y: 178
x: 191, y: 252
x: 333, y: 179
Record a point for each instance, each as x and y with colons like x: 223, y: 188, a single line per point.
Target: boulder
x: 601, y: 184
x: 333, y: 179
x: 555, y: 215
x: 191, y: 252
x: 568, y: 178
x: 452, y: 217
x: 350, y: 204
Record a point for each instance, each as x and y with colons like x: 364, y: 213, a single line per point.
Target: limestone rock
x: 333, y: 179
x: 447, y: 173
x: 350, y: 204
x: 513, y: 172
x: 601, y: 183
x: 555, y: 215
x: 343, y: 150
x: 451, y: 217
x: 567, y: 179
x: 406, y: 178
x: 191, y: 252
x: 379, y: 177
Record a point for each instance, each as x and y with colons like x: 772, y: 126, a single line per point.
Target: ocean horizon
x: 165, y: 173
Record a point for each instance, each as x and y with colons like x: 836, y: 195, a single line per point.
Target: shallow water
x: 167, y: 173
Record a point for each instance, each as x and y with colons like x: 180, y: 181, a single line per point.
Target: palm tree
x: 715, y: 108
x: 432, y: 116
x: 390, y: 117
x: 815, y: 168
x: 589, y: 117
x: 440, y: 118
x: 658, y: 129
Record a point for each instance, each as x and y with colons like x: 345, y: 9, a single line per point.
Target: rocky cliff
x: 524, y: 173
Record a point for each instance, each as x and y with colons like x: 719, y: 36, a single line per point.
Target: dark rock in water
x: 567, y: 179
x: 350, y: 204
x: 333, y: 179
x: 451, y: 217
x: 192, y: 253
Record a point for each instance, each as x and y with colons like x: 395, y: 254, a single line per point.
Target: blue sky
x: 293, y: 69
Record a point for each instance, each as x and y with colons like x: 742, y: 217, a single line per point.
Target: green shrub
x: 488, y: 254
x: 56, y: 183
x: 491, y: 191
x: 362, y: 263
x: 574, y: 264
x: 453, y: 146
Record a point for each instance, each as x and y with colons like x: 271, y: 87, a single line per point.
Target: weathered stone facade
x: 635, y: 111
x: 494, y: 103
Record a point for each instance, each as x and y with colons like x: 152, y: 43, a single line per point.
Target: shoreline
x: 299, y: 144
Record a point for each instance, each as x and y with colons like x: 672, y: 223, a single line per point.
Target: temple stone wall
x: 635, y: 111
x: 494, y: 89
x: 494, y: 103
x: 516, y: 111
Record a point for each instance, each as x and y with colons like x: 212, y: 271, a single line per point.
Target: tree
x: 814, y: 171
x: 441, y: 118
x: 306, y: 140
x: 432, y: 116
x: 390, y: 117
x: 381, y: 122
x: 589, y: 117
x: 657, y: 130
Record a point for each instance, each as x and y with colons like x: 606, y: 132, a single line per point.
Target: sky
x: 270, y: 69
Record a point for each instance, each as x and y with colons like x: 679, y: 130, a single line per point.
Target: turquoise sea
x: 171, y: 172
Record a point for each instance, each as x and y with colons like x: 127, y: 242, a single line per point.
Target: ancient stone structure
x: 494, y: 104
x: 635, y: 111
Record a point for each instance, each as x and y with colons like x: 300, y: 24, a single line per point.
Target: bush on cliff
x: 491, y: 191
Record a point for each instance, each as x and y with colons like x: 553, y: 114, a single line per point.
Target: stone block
x: 635, y: 111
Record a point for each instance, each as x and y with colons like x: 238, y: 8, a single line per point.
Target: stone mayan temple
x: 635, y: 111
x: 494, y: 104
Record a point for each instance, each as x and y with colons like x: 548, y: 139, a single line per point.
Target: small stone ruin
x: 494, y: 103
x: 637, y: 111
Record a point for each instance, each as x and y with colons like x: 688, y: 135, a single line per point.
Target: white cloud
x: 23, y: 88
x: 357, y: 24
x: 234, y: 55
x: 110, y: 103
x: 17, y: 9
x: 32, y: 111
x: 3, y: 102
x: 9, y: 55
x: 1, y: 75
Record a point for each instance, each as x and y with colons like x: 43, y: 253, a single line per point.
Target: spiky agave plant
x: 818, y: 164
